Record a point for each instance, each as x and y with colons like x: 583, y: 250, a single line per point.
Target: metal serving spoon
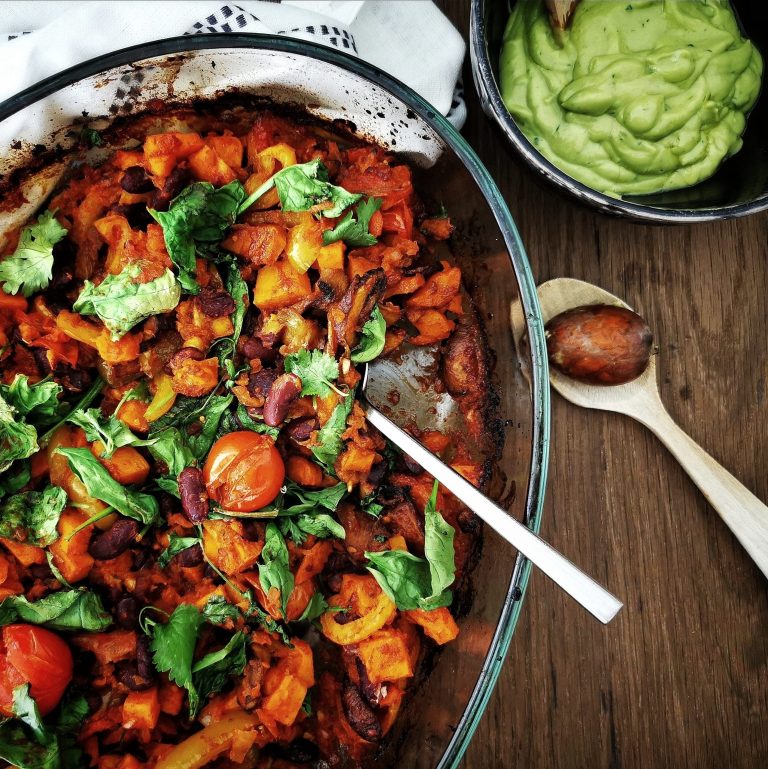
x: 742, y: 511
x: 584, y: 589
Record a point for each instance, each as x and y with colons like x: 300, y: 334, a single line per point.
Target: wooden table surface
x: 680, y: 678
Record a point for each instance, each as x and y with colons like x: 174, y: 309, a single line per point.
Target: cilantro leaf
x: 101, y: 485
x: 328, y: 498
x: 121, y: 301
x: 373, y: 338
x: 211, y: 673
x: 31, y: 517
x: 371, y: 506
x: 316, y: 607
x: 321, y: 525
x: 329, y: 442
x: 302, y: 186
x: 242, y: 420
x: 170, y: 446
x: 354, y: 232
x: 75, y: 609
x: 17, y: 439
x: 173, y: 647
x: 419, y: 583
x: 195, y: 221
x: 110, y: 431
x: 29, y: 268
x: 176, y: 545
x: 90, y: 137
x: 255, y: 612
x: 316, y: 369
x: 275, y: 571
x: 37, y: 403
x: 218, y: 610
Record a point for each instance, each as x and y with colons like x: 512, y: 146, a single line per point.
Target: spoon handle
x: 584, y: 589
x: 744, y: 514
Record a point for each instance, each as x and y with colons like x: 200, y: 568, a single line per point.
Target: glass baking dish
x: 38, y: 128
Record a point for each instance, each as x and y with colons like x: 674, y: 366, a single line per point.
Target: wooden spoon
x: 742, y: 511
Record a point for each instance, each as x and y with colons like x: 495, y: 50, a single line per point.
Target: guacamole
x: 636, y: 96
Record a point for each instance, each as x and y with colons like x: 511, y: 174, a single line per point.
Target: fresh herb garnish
x: 31, y: 517
x: 274, y: 570
x: 37, y: 403
x: 110, y: 431
x: 121, y: 301
x: 354, y: 231
x: 17, y: 439
x: 76, y: 609
x: 373, y: 338
x: 317, y: 371
x: 176, y: 545
x: 101, y: 485
x: 419, y: 583
x: 303, y: 186
x: 196, y: 222
x: 30, y: 267
x: 329, y: 442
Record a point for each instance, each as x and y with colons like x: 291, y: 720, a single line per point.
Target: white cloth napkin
x: 409, y: 39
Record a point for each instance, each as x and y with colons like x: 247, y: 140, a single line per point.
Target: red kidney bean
x: 215, y: 302
x: 109, y: 544
x: 194, y: 498
x: 283, y: 393
x: 192, y: 556
x: 127, y: 612
x: 300, y: 429
x: 136, y: 181
x: 128, y: 674
x: 185, y: 353
x: 177, y: 180
x: 359, y: 713
x: 255, y: 349
x: 260, y: 382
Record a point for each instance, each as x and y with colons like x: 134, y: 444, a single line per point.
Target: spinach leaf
x: 302, y: 186
x: 372, y: 340
x: 354, y: 232
x: 211, y: 673
x: 328, y: 498
x: 31, y: 517
x: 37, y: 403
x: 419, y: 583
x: 121, y: 301
x: 26, y: 710
x: 170, y: 446
x: 16, y: 478
x: 201, y: 443
x: 101, y: 485
x: 90, y: 395
x: 241, y: 420
x: 17, y: 440
x: 238, y: 290
x: 321, y: 525
x: 329, y: 442
x: 275, y: 571
x: 197, y: 220
x: 176, y: 545
x: 110, y: 431
x: 30, y: 266
x: 218, y: 610
x: 371, y: 506
x: 76, y: 609
x: 20, y: 751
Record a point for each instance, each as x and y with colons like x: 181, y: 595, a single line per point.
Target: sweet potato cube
x: 438, y: 624
x: 133, y: 414
x: 304, y: 472
x: 161, y: 165
x: 225, y: 545
x: 280, y: 285
x: 438, y: 290
x: 196, y: 378
x: 385, y: 656
x: 171, y: 698
x: 228, y: 148
x: 433, y: 326
x: 207, y: 166
x: 284, y: 703
x: 260, y: 244
x: 125, y: 465
x: 25, y: 554
x: 331, y: 257
x: 141, y: 709
x: 70, y: 555
x: 176, y: 143
x: 123, y: 159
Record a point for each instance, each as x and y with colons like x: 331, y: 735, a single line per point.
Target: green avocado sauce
x: 636, y: 96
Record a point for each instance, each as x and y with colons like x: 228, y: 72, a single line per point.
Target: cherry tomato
x: 34, y: 655
x: 244, y: 471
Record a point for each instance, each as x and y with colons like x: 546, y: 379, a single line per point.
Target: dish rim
x: 538, y: 375
x: 493, y: 105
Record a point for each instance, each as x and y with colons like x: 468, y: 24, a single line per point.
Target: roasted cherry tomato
x: 244, y: 471
x: 33, y: 655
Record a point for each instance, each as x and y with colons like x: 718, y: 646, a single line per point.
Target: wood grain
x: 680, y: 679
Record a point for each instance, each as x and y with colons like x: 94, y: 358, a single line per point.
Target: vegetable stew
x: 207, y: 557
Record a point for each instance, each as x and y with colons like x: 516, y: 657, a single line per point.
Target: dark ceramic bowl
x: 739, y: 187
x: 40, y: 127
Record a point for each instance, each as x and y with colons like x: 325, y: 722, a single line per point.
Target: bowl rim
x: 538, y: 375
x: 493, y: 105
